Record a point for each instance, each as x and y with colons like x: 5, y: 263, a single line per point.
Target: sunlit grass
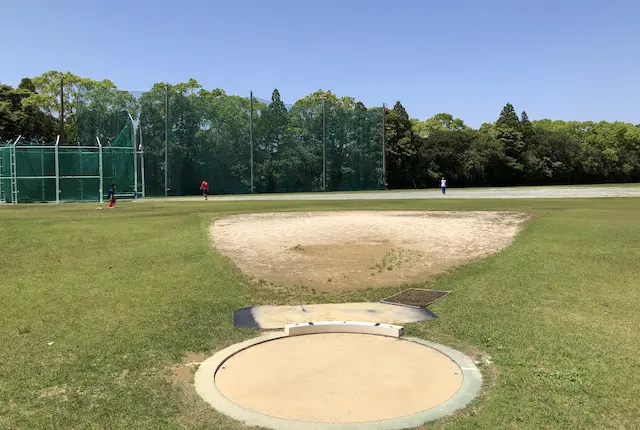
x: 97, y: 306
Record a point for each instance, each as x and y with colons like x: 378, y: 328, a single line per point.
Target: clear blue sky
x: 564, y: 59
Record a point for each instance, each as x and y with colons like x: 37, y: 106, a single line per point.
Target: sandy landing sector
x: 338, y: 378
x: 337, y: 251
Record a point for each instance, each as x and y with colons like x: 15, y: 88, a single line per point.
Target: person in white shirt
x: 443, y: 185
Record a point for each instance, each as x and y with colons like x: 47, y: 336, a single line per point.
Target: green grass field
x: 97, y: 307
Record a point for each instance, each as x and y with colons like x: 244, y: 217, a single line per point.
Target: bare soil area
x: 338, y: 251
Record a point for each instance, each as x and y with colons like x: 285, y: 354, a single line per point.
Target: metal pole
x: 166, y: 142
x: 324, y: 148
x: 14, y: 185
x: 100, y: 167
x: 251, y: 136
x: 2, y: 198
x: 142, y: 163
x: 13, y: 166
x: 134, y: 133
x: 81, y: 175
x: 384, y: 149
x: 61, y: 109
x: 1, y: 177
x: 42, y: 171
x: 57, y: 171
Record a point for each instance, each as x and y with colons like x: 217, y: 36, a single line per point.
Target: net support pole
x: 384, y: 149
x: 12, y: 171
x: 81, y: 175
x: 100, y: 169
x: 61, y: 108
x: 134, y: 132
x: 142, y: 163
x: 324, y: 146
x: 251, y: 135
x: 2, y: 199
x: 42, y: 171
x: 166, y: 140
x: 57, y: 156
x: 13, y: 158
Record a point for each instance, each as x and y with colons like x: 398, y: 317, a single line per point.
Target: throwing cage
x: 57, y: 173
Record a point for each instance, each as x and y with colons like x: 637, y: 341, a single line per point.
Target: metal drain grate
x: 416, y: 297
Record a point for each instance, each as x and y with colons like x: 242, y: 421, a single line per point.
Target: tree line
x: 512, y: 151
x: 321, y: 142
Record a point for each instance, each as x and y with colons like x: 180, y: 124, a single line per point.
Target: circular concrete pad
x: 338, y: 381
x: 339, y: 378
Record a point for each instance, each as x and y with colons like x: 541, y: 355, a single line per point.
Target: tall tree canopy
x: 208, y: 136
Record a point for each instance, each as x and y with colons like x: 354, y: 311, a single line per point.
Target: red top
x: 204, y: 185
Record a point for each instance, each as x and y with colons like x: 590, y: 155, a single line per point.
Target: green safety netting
x: 118, y: 164
x: 4, y: 173
x: 78, y: 170
x: 188, y: 134
x: 310, y: 145
x: 98, y: 111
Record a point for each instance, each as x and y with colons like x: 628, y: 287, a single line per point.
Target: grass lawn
x: 97, y: 308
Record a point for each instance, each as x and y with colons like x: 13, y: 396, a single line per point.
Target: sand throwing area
x: 338, y: 378
x: 337, y: 251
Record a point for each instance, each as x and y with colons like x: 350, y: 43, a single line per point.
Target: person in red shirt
x: 204, y: 187
x: 112, y: 196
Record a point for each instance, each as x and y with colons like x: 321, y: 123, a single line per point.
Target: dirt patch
x: 194, y: 413
x: 338, y: 251
x: 416, y: 297
x: 183, y: 372
x: 54, y: 392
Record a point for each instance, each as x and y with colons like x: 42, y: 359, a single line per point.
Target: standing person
x: 204, y: 187
x: 112, y: 196
x: 443, y: 185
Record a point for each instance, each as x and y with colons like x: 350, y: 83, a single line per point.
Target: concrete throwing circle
x: 337, y: 381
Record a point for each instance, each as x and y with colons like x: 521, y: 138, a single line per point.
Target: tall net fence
x: 169, y: 139
x: 49, y: 172
x: 246, y: 144
x: 5, y: 174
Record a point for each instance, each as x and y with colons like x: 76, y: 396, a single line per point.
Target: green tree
x: 306, y: 139
x: 271, y: 163
x: 152, y: 121
x: 442, y: 153
x: 526, y: 127
x: 401, y: 148
x: 438, y: 122
x: 91, y: 108
x: 507, y: 131
x: 508, y: 117
x: 20, y: 119
x: 483, y: 161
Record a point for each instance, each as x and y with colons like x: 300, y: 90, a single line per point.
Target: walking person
x: 204, y: 187
x: 112, y: 196
x: 443, y: 185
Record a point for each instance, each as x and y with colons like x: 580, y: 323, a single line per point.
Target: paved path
x: 484, y: 193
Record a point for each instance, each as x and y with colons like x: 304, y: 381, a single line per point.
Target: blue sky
x: 564, y: 59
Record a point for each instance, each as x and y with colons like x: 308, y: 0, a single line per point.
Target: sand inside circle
x: 338, y: 378
x: 336, y: 251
